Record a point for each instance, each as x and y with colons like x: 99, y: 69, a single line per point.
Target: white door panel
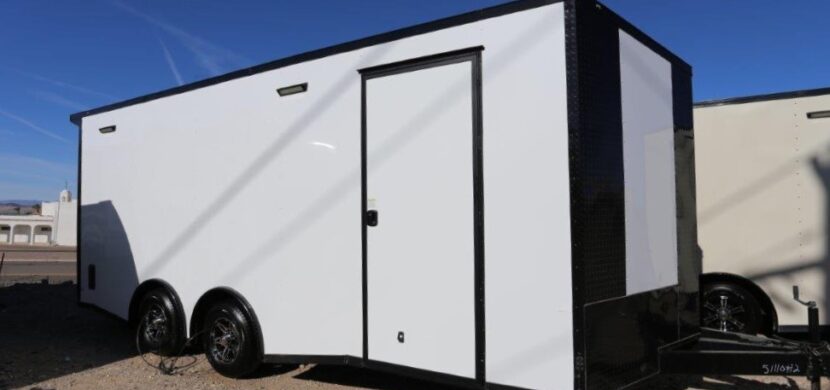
x: 648, y: 163
x: 420, y: 256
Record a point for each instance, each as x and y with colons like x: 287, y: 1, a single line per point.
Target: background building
x: 56, y: 224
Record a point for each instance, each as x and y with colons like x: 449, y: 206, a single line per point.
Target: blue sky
x: 60, y: 57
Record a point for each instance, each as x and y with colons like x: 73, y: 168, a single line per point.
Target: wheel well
x: 763, y: 299
x: 220, y: 294
x: 143, y: 289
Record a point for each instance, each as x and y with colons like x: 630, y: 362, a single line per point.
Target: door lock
x: 372, y: 217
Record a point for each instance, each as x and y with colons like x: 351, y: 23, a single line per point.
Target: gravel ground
x: 48, y: 342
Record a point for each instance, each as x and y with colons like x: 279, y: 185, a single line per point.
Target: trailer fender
x: 767, y: 307
x: 219, y: 294
x: 147, y: 286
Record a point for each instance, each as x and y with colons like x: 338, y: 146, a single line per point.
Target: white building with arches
x: 56, y: 224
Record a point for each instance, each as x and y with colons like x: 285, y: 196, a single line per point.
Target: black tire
x: 159, y: 325
x: 229, y: 340
x: 731, y: 307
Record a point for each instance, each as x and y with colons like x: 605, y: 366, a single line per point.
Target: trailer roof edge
x: 764, y: 97
x: 418, y: 29
x: 647, y: 40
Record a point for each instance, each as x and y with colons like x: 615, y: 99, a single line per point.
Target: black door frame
x: 473, y: 55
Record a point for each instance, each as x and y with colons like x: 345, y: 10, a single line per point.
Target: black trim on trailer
x: 478, y: 206
x: 78, y: 218
x: 357, y: 362
x: 600, y: 303
x: 311, y: 359
x: 640, y: 36
x: 419, y: 29
x: 418, y: 63
x: 472, y: 54
x: 363, y: 218
x: 764, y: 97
x: 622, y: 347
x: 572, y: 79
x: 498, y: 386
x: 600, y: 151
x: 419, y: 373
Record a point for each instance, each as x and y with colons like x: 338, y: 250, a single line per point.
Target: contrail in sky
x: 170, y: 62
x: 62, y: 84
x: 52, y: 97
x: 33, y: 126
x: 210, y: 56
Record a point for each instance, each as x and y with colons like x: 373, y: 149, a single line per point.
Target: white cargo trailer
x: 500, y: 198
x: 763, y: 171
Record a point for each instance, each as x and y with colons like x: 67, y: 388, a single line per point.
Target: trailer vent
x: 818, y: 114
x: 108, y: 129
x: 290, y: 90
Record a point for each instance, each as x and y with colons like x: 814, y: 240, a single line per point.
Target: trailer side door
x: 421, y: 253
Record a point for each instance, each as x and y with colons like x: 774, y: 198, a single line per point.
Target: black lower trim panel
x: 624, y: 335
x: 417, y: 373
x: 422, y: 374
x: 309, y: 359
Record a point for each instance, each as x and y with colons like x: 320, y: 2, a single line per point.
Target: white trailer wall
x: 231, y: 185
x: 762, y: 182
x: 527, y: 206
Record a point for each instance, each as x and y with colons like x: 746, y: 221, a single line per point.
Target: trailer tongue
x: 718, y: 352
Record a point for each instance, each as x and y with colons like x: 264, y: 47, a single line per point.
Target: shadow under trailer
x: 499, y: 199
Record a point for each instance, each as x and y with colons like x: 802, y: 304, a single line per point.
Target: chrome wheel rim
x: 225, y: 341
x: 725, y: 312
x: 155, y: 324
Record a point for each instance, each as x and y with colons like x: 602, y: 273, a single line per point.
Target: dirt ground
x: 48, y: 342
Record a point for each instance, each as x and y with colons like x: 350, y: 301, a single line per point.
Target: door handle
x: 372, y: 217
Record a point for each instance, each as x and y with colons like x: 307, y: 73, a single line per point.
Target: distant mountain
x: 19, y: 202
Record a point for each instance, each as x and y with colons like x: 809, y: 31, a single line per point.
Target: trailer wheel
x: 158, y: 327
x: 732, y: 308
x: 229, y: 341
